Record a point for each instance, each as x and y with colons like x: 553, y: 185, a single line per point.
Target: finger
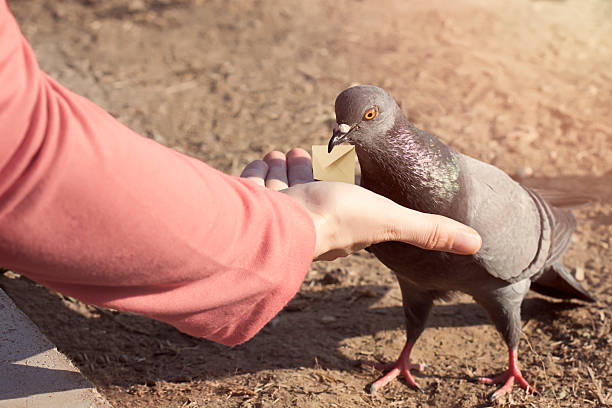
x: 277, y: 171
x: 438, y: 233
x: 299, y: 167
x: 256, y: 171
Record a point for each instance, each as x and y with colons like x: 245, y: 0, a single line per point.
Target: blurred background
x: 525, y: 85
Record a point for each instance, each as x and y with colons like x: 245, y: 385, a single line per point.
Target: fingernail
x: 466, y: 242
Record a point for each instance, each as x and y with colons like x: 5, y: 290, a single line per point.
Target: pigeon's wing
x: 564, y: 224
x: 514, y: 222
x: 555, y: 280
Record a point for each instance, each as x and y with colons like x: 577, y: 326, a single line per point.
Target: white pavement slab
x: 32, y: 372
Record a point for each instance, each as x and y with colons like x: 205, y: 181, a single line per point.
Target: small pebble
x: 274, y: 322
x: 524, y: 172
x: 579, y: 273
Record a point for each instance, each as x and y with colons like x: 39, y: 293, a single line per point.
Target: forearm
x: 95, y: 211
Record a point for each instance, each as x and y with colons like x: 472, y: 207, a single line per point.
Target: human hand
x: 348, y: 218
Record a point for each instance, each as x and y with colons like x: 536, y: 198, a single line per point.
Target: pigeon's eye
x: 370, y: 114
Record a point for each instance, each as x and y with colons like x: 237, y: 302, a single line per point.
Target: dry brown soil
x: 525, y: 85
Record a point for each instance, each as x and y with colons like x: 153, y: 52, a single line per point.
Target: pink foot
x: 401, y: 366
x: 512, y: 375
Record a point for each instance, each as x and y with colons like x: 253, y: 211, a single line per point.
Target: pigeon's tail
x: 557, y: 282
x: 565, y: 200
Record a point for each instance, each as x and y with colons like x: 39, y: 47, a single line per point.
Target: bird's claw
x: 390, y: 366
x: 401, y: 366
x: 512, y: 375
x: 508, y: 379
x: 395, y: 369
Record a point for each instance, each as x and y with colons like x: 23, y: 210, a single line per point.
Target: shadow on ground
x: 311, y: 328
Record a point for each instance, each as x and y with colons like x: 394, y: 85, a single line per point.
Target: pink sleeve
x: 95, y: 211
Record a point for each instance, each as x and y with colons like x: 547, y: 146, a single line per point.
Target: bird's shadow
x: 309, y: 332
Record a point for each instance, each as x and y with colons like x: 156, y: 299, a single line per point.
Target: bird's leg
x: 504, y: 307
x: 417, y: 305
x: 512, y: 375
x: 401, y: 366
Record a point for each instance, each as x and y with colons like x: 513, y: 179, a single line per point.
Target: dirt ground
x: 525, y: 85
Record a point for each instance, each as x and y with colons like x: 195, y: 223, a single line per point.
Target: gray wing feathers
x: 564, y: 225
x: 515, y: 228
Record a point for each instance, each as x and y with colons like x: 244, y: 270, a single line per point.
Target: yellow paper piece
x: 339, y: 165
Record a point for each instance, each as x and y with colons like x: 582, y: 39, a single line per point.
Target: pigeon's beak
x: 340, y: 132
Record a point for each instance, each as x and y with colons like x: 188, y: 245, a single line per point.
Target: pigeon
x: 523, y: 234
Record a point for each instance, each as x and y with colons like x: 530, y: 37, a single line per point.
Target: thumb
x: 438, y: 233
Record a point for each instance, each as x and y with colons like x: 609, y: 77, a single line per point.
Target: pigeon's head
x: 363, y: 114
